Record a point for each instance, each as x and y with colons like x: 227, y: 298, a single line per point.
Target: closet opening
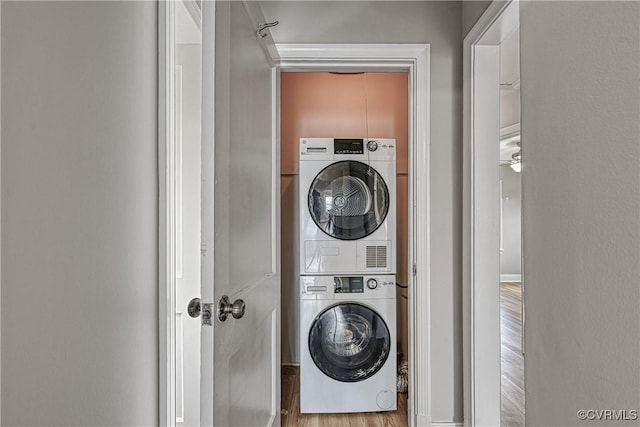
x: 345, y: 224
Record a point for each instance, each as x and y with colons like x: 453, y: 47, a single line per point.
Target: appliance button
x: 372, y: 145
x: 372, y: 283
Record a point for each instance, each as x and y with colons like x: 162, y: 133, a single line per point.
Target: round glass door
x: 349, y: 342
x: 348, y: 200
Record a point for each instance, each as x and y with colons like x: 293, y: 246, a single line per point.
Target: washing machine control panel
x: 349, y: 287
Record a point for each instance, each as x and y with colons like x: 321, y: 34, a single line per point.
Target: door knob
x: 194, y: 309
x: 225, y: 308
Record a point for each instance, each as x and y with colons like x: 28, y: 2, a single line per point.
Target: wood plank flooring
x: 512, y: 380
x: 512, y: 361
x: 291, y: 416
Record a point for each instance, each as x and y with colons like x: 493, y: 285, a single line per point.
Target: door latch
x: 196, y: 309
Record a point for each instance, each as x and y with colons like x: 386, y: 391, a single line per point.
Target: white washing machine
x: 348, y: 344
x: 347, y: 206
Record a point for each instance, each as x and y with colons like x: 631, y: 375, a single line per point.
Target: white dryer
x: 348, y: 344
x: 347, y: 206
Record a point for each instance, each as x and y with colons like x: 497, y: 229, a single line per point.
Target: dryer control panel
x: 347, y: 287
x: 361, y: 149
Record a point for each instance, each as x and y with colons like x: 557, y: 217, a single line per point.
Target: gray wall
x: 510, y: 260
x: 472, y: 10
x: 437, y: 23
x: 79, y: 209
x: 581, y: 193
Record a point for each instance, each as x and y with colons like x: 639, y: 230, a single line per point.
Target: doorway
x: 180, y: 155
x: 493, y: 365
x: 187, y: 151
x: 412, y: 60
x: 511, y: 285
x: 326, y: 105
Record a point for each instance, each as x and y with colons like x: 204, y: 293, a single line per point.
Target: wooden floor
x: 291, y: 416
x: 512, y: 379
x: 512, y: 375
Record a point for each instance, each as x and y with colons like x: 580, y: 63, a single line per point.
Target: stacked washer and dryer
x: 347, y: 275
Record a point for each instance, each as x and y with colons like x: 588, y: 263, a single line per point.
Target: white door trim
x: 414, y: 59
x: 166, y: 215
x: 0, y: 230
x: 481, y: 259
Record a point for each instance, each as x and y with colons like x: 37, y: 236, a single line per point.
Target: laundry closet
x: 331, y: 114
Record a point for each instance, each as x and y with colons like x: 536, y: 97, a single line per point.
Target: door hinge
x: 207, y: 313
x: 415, y: 270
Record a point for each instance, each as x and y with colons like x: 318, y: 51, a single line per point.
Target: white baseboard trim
x: 511, y: 278
x: 447, y: 424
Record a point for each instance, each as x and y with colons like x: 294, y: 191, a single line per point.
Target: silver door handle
x: 194, y: 308
x: 225, y: 308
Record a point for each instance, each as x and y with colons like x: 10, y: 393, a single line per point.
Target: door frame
x: 414, y: 59
x: 167, y: 213
x: 481, y: 212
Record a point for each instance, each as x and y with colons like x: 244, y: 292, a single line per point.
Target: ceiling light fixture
x: 516, y: 163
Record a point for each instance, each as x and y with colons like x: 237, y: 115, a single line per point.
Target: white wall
x: 581, y: 193
x: 510, y: 260
x: 437, y: 23
x: 79, y: 213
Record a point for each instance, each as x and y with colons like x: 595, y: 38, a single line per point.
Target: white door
x: 240, y: 356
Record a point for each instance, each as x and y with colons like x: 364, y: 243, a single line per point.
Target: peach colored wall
x: 339, y: 105
x: 317, y: 105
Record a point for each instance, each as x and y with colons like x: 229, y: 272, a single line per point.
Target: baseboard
x: 511, y: 278
x: 425, y: 421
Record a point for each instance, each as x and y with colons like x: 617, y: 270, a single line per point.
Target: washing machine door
x: 349, y: 342
x: 348, y: 200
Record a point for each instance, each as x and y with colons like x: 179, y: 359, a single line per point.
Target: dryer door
x: 348, y: 200
x: 349, y: 342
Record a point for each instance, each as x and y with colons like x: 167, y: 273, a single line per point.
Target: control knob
x: 372, y: 145
x: 372, y: 283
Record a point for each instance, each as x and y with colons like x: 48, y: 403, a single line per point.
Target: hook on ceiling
x: 260, y: 31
